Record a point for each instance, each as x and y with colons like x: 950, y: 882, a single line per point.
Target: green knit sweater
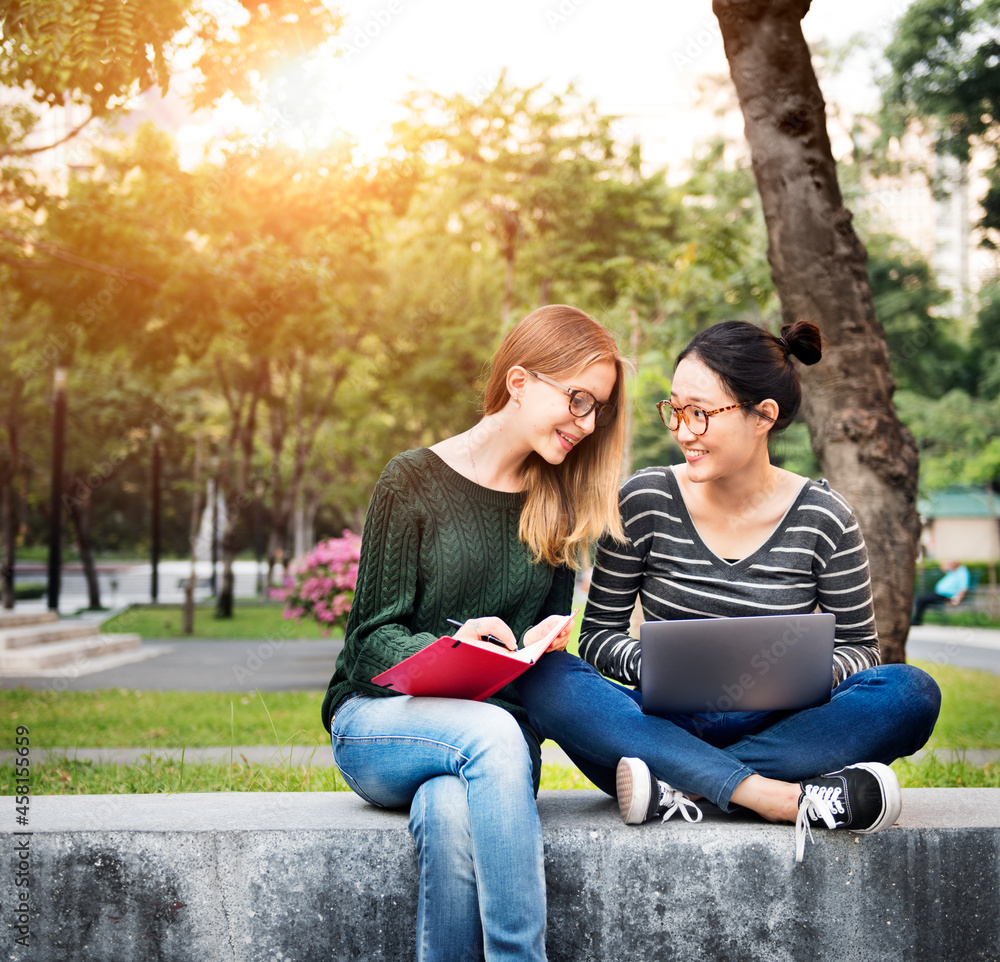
x: 437, y: 546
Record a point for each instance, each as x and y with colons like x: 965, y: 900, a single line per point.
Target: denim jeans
x: 464, y: 771
x: 876, y: 715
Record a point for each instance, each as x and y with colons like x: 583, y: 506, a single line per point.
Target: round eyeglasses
x: 694, y: 417
x: 581, y: 402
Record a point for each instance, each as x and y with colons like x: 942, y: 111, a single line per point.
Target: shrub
x: 29, y: 590
x: 321, y: 585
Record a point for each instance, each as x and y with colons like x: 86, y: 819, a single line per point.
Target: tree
x: 944, y: 70
x: 536, y: 177
x: 818, y: 265
x: 292, y: 282
x: 926, y: 355
x: 92, y: 58
x: 99, y: 54
x: 986, y: 341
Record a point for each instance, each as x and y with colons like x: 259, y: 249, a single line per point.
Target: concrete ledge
x: 322, y: 876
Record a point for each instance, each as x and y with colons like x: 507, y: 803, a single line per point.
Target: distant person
x: 949, y: 590
x: 485, y: 527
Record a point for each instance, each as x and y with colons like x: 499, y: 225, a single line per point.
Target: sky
x: 638, y: 58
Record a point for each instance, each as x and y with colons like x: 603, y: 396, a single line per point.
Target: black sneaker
x: 862, y: 798
x: 638, y: 801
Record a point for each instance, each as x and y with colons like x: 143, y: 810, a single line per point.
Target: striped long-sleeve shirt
x: 815, y: 557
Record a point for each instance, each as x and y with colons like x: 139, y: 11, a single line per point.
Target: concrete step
x: 17, y: 619
x: 43, y: 634
x: 59, y: 654
x: 316, y: 876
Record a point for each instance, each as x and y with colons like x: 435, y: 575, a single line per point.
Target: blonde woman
x: 485, y: 527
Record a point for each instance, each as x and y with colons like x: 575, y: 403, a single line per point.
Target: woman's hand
x: 478, y: 628
x: 543, y: 627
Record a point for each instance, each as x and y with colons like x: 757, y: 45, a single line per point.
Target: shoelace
x: 679, y: 802
x: 818, y: 809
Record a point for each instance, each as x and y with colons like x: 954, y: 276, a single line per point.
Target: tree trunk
x: 234, y: 474
x: 8, y: 519
x: 819, y: 269
x: 7, y: 537
x: 195, y: 525
x: 224, y: 603
x: 79, y: 512
x: 299, y: 516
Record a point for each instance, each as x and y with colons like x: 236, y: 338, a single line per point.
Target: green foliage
x: 944, y: 64
x: 539, y: 180
x: 926, y: 354
x: 96, y: 52
x: 308, y: 318
x: 100, y: 53
x: 985, y: 353
x: 958, y: 437
x: 943, y: 58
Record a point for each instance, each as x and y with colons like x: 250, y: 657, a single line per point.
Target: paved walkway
x: 307, y: 665
x: 961, y: 647
x: 171, y: 665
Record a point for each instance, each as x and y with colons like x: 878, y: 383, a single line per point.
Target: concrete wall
x: 302, y: 877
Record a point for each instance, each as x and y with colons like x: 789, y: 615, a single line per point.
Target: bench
x: 975, y: 599
x: 182, y: 583
x: 298, y: 877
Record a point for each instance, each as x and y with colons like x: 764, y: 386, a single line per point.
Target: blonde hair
x: 572, y: 504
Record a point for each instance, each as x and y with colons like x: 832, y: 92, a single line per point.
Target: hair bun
x: 803, y: 340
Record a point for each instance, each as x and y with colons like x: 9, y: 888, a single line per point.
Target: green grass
x: 116, y: 718
x: 152, y: 719
x: 932, y: 772
x: 250, y: 620
x: 959, y: 619
x: 153, y: 775
x: 970, y: 707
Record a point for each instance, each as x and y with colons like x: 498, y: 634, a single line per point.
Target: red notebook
x: 453, y: 668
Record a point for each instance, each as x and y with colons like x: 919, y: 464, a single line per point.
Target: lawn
x: 115, y: 718
x: 251, y: 620
x: 122, y: 718
x: 959, y: 619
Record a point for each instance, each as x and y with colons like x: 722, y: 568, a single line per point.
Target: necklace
x: 472, y: 459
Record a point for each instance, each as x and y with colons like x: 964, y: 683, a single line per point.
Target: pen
x: 492, y: 638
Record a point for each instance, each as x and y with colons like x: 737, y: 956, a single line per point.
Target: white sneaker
x: 638, y: 802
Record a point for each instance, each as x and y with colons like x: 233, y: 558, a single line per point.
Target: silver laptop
x: 762, y: 663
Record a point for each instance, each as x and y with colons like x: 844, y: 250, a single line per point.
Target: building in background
x: 933, y: 203
x: 961, y: 523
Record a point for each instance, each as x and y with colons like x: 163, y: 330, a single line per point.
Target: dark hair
x: 754, y: 365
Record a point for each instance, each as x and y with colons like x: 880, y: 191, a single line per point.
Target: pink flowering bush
x: 321, y: 585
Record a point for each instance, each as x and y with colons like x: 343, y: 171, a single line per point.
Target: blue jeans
x: 877, y: 715
x: 464, y: 771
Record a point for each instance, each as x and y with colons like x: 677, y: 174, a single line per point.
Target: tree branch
x: 30, y: 151
x: 76, y: 260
